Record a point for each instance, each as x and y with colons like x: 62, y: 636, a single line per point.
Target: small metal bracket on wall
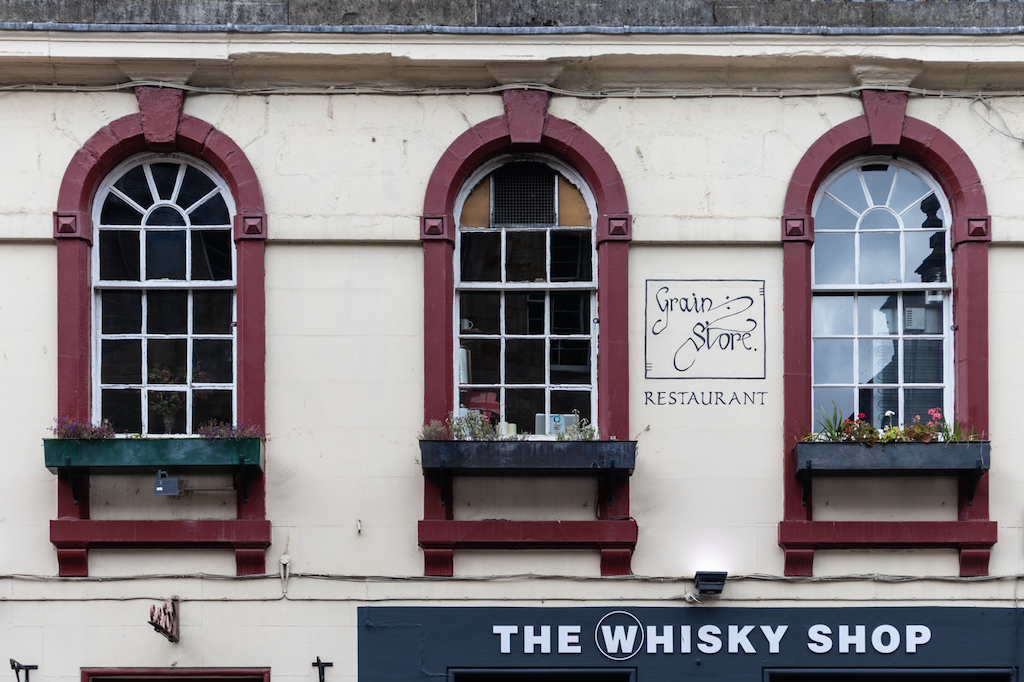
x: 18, y: 667
x: 73, y: 477
x: 321, y: 665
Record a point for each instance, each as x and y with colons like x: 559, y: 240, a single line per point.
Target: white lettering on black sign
x: 620, y: 635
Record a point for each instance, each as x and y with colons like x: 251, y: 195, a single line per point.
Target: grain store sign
x: 660, y: 644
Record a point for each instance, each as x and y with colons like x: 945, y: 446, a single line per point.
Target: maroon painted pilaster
x: 885, y: 129
x: 250, y: 561
x: 613, y: 340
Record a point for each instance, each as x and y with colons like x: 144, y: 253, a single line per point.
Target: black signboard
x: 654, y: 644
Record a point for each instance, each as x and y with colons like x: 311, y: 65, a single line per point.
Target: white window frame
x: 189, y: 285
x: 502, y: 286
x: 946, y: 288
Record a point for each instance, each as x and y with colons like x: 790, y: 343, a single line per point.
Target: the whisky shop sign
x: 660, y: 643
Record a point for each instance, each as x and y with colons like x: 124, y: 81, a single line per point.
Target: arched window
x: 163, y: 292
x: 526, y: 295
x: 881, y: 309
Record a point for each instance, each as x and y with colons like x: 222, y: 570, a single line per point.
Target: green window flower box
x: 970, y: 459
x: 146, y: 455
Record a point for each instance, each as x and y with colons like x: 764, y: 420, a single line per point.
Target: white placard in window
x: 704, y: 329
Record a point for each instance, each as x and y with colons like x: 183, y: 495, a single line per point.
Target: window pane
x: 879, y: 258
x: 918, y: 401
x: 210, y: 406
x: 849, y: 191
x: 165, y: 216
x: 570, y: 313
x: 922, y: 313
x: 121, y: 312
x: 524, y: 194
x: 480, y: 312
x: 167, y: 312
x: 875, y: 402
x: 833, y: 361
x: 212, y: 212
x: 166, y: 361
x: 926, y: 214
x: 926, y: 257
x: 524, y: 361
x: 922, y: 361
x: 164, y: 177
x: 484, y: 360
x: 121, y: 361
x: 167, y: 411
x: 879, y: 219
x: 525, y: 255
x: 832, y: 315
x: 570, y: 361
x: 211, y: 361
x: 524, y: 407
x: 909, y: 189
x: 165, y: 255
x: 878, y: 362
x: 571, y: 256
x: 481, y: 257
x: 833, y: 258
x: 568, y: 402
x: 116, y: 211
x: 134, y: 185
x: 833, y: 216
x: 119, y: 255
x: 211, y: 312
x: 211, y: 255
x: 194, y: 187
x: 524, y: 313
x: 876, y: 315
x: 879, y: 179
x: 123, y: 407
x: 485, y: 402
x: 826, y: 400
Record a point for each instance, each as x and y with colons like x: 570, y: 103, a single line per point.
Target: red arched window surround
x: 159, y: 127
x: 886, y: 129
x: 527, y: 127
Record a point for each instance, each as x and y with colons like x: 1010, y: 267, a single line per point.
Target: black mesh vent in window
x: 524, y: 194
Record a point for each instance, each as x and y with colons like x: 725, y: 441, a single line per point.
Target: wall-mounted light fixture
x: 710, y: 583
x: 164, y: 484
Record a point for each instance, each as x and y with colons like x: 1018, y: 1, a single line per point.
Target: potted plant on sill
x: 83, y: 448
x: 471, y: 445
x: 854, y: 447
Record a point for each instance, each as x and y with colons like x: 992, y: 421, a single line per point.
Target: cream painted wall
x: 344, y: 178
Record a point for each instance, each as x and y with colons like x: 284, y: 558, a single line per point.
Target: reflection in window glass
x: 881, y: 340
x: 526, y: 295
x: 176, y: 329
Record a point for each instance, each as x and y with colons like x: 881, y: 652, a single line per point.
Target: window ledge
x: 146, y: 455
x: 529, y: 457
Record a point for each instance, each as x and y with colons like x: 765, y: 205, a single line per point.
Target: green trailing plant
x: 68, y: 428
x: 836, y: 429
x: 581, y: 429
x: 217, y: 430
